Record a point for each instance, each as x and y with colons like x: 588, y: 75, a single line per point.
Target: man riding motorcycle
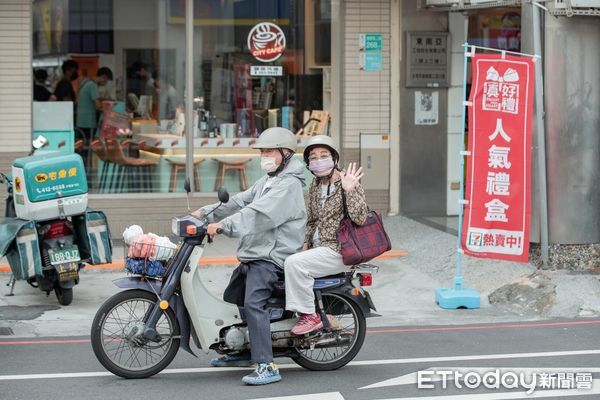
x: 270, y: 219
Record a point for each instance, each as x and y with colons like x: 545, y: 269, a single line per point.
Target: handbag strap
x: 344, y: 205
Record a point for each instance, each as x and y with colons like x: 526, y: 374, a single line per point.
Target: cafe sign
x: 266, y: 42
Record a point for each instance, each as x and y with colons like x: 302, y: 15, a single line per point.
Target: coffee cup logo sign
x: 266, y: 42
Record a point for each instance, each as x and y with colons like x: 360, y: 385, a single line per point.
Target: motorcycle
x: 137, y: 332
x: 58, y: 249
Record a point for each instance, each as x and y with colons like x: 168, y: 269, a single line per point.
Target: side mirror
x: 39, y: 142
x: 187, y: 186
x: 223, y: 195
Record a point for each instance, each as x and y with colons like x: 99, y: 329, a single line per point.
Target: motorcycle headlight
x: 175, y: 226
x: 186, y: 226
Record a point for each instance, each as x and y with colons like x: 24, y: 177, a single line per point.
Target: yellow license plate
x: 67, y: 272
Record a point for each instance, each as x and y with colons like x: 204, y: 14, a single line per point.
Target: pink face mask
x: 321, y: 167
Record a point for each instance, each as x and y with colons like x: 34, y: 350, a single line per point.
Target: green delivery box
x: 49, y: 186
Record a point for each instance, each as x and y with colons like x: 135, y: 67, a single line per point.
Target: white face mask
x: 268, y: 164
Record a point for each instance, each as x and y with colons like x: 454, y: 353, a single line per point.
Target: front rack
x: 148, y: 259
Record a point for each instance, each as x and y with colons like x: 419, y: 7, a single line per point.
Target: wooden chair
x: 316, y: 122
x: 127, y: 167
x: 97, y: 147
x: 238, y: 166
x: 177, y: 165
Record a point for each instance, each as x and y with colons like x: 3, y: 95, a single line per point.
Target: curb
x: 229, y: 260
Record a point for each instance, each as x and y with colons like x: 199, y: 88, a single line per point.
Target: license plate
x: 64, y: 256
x: 68, y: 271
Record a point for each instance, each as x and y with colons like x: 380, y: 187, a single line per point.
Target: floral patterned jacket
x: 328, y: 217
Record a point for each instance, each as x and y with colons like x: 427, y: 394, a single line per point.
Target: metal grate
x: 466, y: 5
x: 5, y: 331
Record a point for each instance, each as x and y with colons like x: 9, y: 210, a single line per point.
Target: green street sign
x: 370, y: 42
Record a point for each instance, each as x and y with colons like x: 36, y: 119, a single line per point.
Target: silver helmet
x: 276, y: 138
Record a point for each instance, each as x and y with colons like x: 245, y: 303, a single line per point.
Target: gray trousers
x: 260, y: 279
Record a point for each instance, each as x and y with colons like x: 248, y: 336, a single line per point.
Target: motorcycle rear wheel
x: 64, y: 295
x: 350, y: 318
x: 116, y: 319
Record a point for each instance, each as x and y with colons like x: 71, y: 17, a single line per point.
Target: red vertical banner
x: 497, y: 214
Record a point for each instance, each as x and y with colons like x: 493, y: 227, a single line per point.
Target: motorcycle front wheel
x: 116, y: 338
x: 338, y: 347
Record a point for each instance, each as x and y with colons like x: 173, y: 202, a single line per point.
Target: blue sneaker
x: 263, y: 375
x: 236, y: 360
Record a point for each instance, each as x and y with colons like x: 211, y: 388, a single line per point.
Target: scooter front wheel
x: 117, y: 340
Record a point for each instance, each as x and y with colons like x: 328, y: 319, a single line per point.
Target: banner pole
x: 459, y: 297
x: 461, y: 207
x: 500, y: 51
x: 541, y: 133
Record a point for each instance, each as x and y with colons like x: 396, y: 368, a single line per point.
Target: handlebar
x: 210, y: 239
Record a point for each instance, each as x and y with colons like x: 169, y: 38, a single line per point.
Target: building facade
x: 343, y: 68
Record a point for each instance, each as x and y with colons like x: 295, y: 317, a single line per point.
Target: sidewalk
x: 403, y: 290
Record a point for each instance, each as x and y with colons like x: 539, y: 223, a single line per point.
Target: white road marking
x: 411, y: 379
x: 315, y: 396
x: 67, y: 375
x: 560, y: 393
x: 294, y: 366
x: 479, y: 357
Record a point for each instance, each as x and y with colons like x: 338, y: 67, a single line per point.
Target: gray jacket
x: 270, y: 225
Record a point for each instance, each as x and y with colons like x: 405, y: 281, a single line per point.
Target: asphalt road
x: 51, y: 368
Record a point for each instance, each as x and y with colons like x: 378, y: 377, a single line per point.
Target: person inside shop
x: 269, y: 218
x: 140, y: 84
x: 90, y: 102
x: 322, y: 251
x: 166, y: 96
x: 40, y: 91
x: 145, y: 82
x: 64, y: 89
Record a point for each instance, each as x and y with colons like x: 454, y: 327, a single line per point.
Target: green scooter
x: 46, y: 193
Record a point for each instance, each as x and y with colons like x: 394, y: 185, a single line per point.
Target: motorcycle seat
x: 330, y: 281
x: 320, y: 283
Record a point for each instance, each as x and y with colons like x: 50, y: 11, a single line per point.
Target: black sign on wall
x: 428, y: 59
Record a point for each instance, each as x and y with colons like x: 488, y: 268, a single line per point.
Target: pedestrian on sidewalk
x: 321, y: 255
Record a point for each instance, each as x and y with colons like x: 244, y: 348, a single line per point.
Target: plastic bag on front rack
x: 147, y: 253
x: 144, y: 266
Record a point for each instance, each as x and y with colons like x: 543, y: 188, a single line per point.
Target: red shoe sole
x: 312, y: 329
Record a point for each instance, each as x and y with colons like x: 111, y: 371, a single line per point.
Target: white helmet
x: 276, y: 138
x: 321, y: 141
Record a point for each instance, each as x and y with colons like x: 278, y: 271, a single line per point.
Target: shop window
x: 257, y: 64
x: 90, y: 26
x: 499, y: 28
x: 323, y: 32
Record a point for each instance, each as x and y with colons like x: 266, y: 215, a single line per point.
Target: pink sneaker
x: 307, y: 323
